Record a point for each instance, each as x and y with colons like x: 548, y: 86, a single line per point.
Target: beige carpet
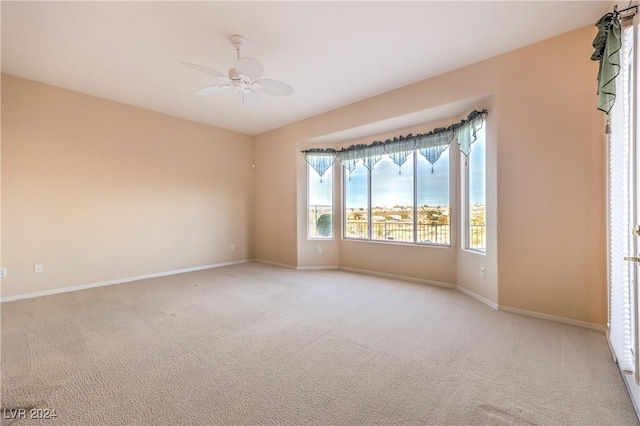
x: 256, y: 344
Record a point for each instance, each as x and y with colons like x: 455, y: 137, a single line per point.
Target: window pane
x: 392, y: 200
x: 320, y: 206
x: 356, y: 203
x: 433, y: 201
x: 476, y: 194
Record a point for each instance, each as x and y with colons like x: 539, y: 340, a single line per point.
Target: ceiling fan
x: 244, y: 77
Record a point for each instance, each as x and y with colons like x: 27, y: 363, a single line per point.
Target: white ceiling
x: 332, y: 53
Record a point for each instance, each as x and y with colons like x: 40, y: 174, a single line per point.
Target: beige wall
x: 97, y: 190
x: 275, y: 209
x: 546, y: 242
x: 551, y: 180
x: 435, y: 264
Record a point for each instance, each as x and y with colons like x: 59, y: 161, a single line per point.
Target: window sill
x: 475, y: 251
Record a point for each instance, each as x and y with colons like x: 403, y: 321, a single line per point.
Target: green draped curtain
x: 607, y: 46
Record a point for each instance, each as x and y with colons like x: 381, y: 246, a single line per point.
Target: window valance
x: 430, y: 145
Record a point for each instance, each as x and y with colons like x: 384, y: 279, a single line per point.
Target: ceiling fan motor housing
x: 240, y: 81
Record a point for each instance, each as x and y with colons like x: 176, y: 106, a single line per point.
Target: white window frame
x: 329, y: 172
x: 345, y: 178
x: 466, y: 203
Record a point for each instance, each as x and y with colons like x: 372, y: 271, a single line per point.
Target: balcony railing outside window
x: 427, y: 233
x: 477, y: 239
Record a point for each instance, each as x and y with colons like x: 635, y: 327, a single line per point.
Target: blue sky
x: 478, y: 173
x: 390, y: 188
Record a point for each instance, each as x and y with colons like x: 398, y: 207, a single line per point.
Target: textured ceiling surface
x: 332, y: 53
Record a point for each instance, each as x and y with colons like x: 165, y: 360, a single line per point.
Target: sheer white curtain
x: 621, y: 190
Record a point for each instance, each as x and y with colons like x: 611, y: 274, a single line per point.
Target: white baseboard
x: 562, y: 320
x: 398, y: 277
x: 116, y: 281
x: 268, y: 262
x: 317, y: 268
x: 554, y: 318
x: 478, y: 297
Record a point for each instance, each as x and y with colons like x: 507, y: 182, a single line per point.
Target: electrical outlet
x: 37, y: 268
x: 3, y: 272
x: 233, y: 247
x: 319, y: 250
x: 482, y: 271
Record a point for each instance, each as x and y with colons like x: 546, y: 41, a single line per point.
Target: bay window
x: 399, y: 190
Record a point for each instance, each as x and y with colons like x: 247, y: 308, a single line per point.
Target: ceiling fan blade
x: 250, y: 67
x: 216, y: 88
x: 204, y: 70
x: 250, y: 97
x: 274, y: 87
